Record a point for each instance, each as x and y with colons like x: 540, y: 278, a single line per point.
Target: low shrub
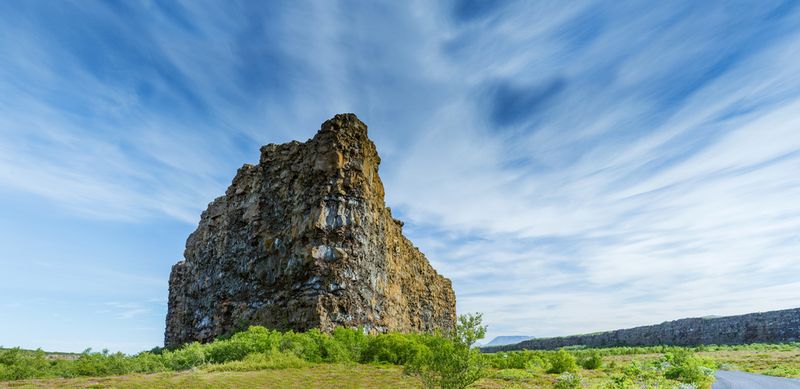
x: 352, y: 341
x: 679, y: 368
x: 100, y: 364
x: 393, y: 348
x: 222, y: 351
x: 446, y: 364
x: 685, y: 366
x: 19, y: 364
x: 450, y: 362
x: 328, y: 349
x: 530, y: 360
x: 147, y: 362
x: 568, y: 381
x: 186, y: 357
x: 591, y: 360
x: 561, y: 362
x: 639, y: 375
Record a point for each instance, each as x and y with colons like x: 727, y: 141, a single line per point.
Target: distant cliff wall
x: 764, y: 327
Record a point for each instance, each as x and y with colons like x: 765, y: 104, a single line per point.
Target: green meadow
x: 348, y: 358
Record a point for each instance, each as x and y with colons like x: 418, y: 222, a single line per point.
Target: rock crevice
x: 304, y: 240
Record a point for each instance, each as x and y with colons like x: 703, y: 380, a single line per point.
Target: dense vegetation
x: 674, y: 368
x: 444, y: 361
x: 638, y: 367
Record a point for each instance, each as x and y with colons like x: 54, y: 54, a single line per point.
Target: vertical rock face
x: 304, y: 240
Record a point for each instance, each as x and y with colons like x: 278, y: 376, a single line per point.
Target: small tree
x: 469, y: 329
x: 450, y: 362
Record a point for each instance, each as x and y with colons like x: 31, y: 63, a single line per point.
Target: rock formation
x: 304, y: 240
x: 762, y: 327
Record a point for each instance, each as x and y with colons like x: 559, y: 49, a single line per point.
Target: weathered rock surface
x: 761, y: 327
x: 304, y: 240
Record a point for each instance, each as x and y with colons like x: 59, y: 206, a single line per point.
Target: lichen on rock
x: 304, y: 240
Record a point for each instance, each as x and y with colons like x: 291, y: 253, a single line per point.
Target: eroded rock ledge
x: 304, y: 240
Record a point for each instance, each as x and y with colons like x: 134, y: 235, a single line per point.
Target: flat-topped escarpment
x: 763, y: 327
x: 304, y: 240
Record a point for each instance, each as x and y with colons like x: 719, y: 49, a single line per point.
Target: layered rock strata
x: 762, y: 327
x: 304, y: 240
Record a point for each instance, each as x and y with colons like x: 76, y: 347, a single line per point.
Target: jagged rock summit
x: 304, y: 240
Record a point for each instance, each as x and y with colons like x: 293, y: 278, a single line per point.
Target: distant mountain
x: 504, y: 340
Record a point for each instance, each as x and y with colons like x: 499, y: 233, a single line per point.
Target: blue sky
x: 572, y: 167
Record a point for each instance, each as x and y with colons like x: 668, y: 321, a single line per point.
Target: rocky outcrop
x: 763, y: 327
x: 304, y: 240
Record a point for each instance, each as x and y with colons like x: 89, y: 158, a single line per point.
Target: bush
x: 530, y: 360
x: 679, y: 368
x: 591, y: 361
x: 393, y: 348
x: 568, y: 381
x: 255, y: 339
x: 352, y: 341
x: 101, y: 364
x: 302, y: 345
x: 447, y: 364
x: 561, y: 362
x: 18, y: 364
x: 221, y: 351
x: 10, y: 356
x: 147, y: 362
x: 684, y: 366
x: 641, y: 375
x: 451, y: 362
x: 327, y: 348
x: 186, y: 357
x: 260, y: 339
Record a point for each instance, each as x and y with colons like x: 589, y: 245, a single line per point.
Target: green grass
x: 643, y: 365
x: 757, y: 358
x: 260, y: 357
x: 318, y: 376
x: 445, y: 360
x: 776, y: 362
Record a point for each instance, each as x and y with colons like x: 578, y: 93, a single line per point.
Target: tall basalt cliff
x: 304, y: 240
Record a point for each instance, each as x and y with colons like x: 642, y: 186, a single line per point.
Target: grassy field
x: 317, y: 376
x: 349, y: 358
x: 774, y: 363
x: 781, y: 361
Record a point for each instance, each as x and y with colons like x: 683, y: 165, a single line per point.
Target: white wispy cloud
x: 571, y: 167
x: 691, y: 215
